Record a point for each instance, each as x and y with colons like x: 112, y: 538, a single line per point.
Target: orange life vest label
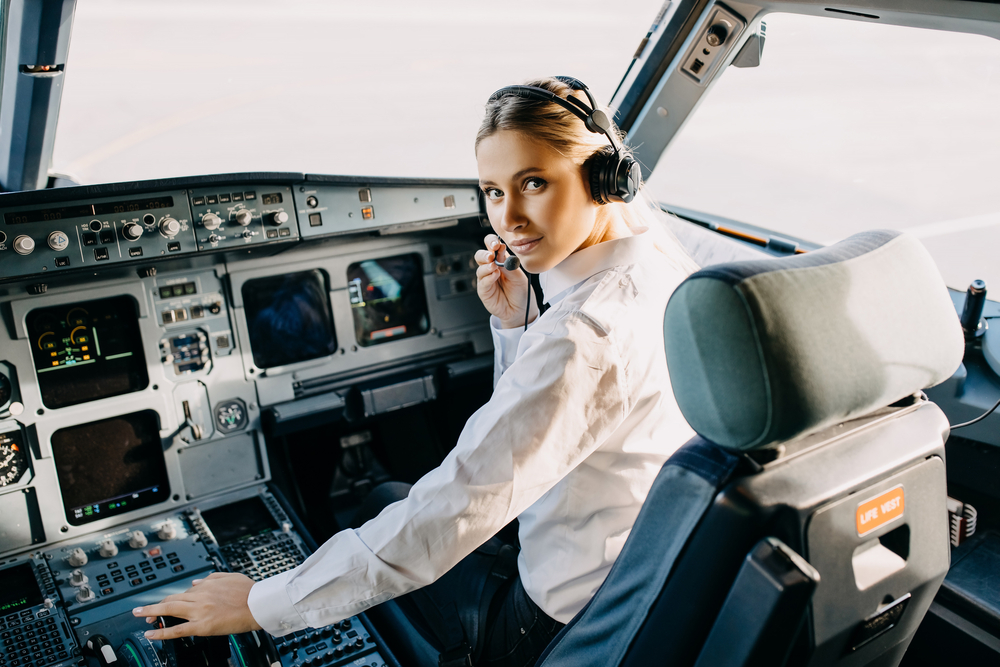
x: 880, y: 510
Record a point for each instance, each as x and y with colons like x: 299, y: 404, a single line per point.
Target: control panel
x: 95, y: 232
x: 326, y: 208
x: 231, y: 218
x: 133, y: 454
x: 34, y: 629
x: 51, y: 232
x: 95, y: 582
x: 110, y: 566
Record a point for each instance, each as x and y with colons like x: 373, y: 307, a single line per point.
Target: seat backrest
x: 801, y: 376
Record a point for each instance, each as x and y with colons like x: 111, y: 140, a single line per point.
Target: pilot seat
x: 806, y: 523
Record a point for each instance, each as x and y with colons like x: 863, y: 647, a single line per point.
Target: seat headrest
x: 763, y: 351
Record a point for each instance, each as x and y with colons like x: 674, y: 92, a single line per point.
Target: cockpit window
x: 388, y: 87
x: 848, y: 126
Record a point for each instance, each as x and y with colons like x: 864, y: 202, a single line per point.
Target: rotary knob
x: 717, y: 34
x: 243, y: 217
x: 132, y: 231
x: 169, y: 227
x: 137, y: 539
x: 23, y: 245
x: 108, y: 549
x: 211, y: 221
x: 77, y: 557
x: 77, y: 578
x: 85, y: 594
x: 58, y: 241
x: 279, y: 218
x: 167, y: 531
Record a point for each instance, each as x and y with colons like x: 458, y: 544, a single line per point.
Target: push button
x: 100, y: 254
x: 62, y: 261
x: 107, y: 236
x: 89, y: 238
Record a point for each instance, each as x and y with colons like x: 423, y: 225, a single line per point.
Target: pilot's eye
x: 493, y: 194
x: 534, y: 184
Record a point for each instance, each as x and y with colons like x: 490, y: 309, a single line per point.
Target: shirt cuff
x: 272, y: 608
x: 505, y: 342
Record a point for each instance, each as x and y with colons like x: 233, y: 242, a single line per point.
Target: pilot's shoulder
x: 604, y: 300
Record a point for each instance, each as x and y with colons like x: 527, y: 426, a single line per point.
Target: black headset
x: 614, y: 173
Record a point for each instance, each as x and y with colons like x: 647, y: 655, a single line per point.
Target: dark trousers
x: 505, y: 630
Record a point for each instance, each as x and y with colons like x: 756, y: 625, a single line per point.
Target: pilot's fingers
x: 175, y: 608
x: 188, y: 629
x: 485, y: 257
x: 487, y: 274
x: 491, y: 241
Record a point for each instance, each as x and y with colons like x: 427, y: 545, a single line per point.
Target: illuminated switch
x: 368, y: 213
x: 180, y: 315
x: 168, y: 316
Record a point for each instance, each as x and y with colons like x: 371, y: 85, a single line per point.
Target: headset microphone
x: 511, y: 263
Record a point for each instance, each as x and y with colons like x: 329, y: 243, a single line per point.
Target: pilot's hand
x: 503, y: 292
x: 215, y: 605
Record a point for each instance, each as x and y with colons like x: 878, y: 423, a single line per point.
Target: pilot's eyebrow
x: 523, y: 172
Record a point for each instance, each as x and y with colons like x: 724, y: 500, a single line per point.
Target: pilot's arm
x: 563, y: 396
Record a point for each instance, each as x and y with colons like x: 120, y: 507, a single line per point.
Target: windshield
x: 386, y: 87
x: 848, y: 126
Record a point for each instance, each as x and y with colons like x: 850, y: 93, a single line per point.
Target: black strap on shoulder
x: 536, y: 285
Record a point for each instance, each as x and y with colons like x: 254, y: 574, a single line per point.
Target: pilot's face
x: 536, y: 198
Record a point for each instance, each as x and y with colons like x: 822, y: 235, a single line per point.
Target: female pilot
x: 581, y: 419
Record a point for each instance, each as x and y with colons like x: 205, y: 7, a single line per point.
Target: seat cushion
x: 763, y: 351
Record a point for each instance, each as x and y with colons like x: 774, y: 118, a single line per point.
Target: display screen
x: 289, y: 318
x: 387, y: 299
x: 84, y: 210
x: 242, y: 519
x: 87, y: 351
x: 110, y: 467
x: 268, y: 199
x: 18, y: 589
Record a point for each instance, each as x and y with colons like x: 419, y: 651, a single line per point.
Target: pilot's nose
x: 513, y: 215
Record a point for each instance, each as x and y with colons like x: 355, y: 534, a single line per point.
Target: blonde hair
x: 554, y: 126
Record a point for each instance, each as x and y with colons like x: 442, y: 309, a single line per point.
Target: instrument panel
x: 51, y: 232
x: 157, y: 336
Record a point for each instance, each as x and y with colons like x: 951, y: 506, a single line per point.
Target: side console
x: 34, y: 629
x: 72, y: 604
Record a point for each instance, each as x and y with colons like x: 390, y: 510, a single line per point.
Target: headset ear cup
x: 627, y: 179
x: 602, y: 166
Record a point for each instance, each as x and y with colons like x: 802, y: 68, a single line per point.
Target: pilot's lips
x: 524, y: 245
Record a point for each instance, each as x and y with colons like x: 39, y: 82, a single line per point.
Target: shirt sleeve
x: 554, y: 405
x: 505, y: 342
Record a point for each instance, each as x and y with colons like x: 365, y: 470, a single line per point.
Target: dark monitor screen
x: 388, y: 299
x: 289, y: 318
x: 110, y: 467
x: 18, y: 589
x: 86, y: 351
x: 240, y: 519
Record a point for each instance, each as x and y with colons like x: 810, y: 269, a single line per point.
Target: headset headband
x: 595, y: 119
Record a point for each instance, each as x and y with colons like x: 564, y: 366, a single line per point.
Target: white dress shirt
x: 581, y: 419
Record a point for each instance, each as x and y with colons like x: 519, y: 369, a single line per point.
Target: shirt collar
x: 590, y: 261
